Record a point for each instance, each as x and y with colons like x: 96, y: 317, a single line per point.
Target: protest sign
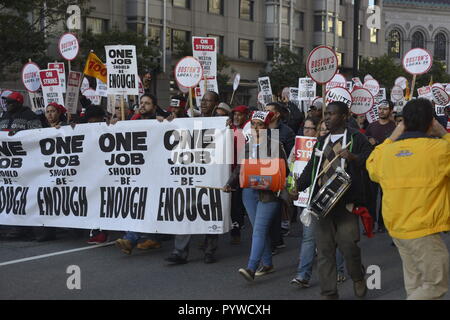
x: 51, y: 86
x: 425, y: 92
x: 68, y: 46
x: 367, y: 77
x: 37, y: 101
x: 440, y: 97
x: 357, y: 82
x: 265, y: 89
x: 401, y: 82
x: 396, y: 93
x: 92, y: 95
x: 417, y: 61
x: 237, y: 80
x: 362, y: 101
x: 30, y: 77
x: 121, y: 63
x: 205, y: 51
x: 337, y: 81
x: 293, y: 95
x: 102, y: 89
x: 373, y: 86
x: 61, y: 71
x: 322, y: 64
x: 339, y: 94
x: 188, y: 72
x: 73, y: 91
x: 303, y: 152
x: 306, y: 89
x: 120, y: 177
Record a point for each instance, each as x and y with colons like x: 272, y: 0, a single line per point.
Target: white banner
x: 119, y: 177
x: 205, y: 50
x: 121, y: 63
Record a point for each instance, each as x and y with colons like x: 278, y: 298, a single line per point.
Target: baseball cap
x: 224, y: 106
x: 15, y: 96
x: 241, y: 109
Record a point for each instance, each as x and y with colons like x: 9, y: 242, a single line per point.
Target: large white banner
x: 133, y: 176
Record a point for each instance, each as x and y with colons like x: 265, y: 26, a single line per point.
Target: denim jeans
x: 134, y: 237
x: 307, y: 253
x: 261, y: 214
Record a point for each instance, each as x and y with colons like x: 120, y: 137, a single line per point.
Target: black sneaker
x: 176, y: 259
x: 360, y: 288
x: 248, y: 274
x: 300, y: 283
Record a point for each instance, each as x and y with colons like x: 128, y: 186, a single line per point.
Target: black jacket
x: 361, y: 147
x: 23, y: 119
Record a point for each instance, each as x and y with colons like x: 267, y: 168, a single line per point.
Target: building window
x: 215, y: 6
x: 330, y: 23
x: 340, y: 28
x: 182, y: 3
x: 373, y: 35
x: 154, y: 34
x: 180, y: 35
x: 418, y: 40
x: 340, y: 57
x: 359, y: 32
x: 285, y: 16
x: 440, y: 47
x: 270, y: 53
x: 299, y: 20
x: 245, y: 49
x: 96, y: 25
x: 219, y: 42
x: 394, y: 44
x: 319, y: 23
x: 246, y: 9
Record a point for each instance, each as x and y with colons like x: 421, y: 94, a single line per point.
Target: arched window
x: 440, y: 44
x: 418, y: 40
x: 394, y: 44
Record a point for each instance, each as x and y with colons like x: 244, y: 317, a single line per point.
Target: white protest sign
x: 102, y: 89
x: 30, y: 77
x: 367, y: 77
x: 93, y: 96
x: 425, y: 92
x: 85, y: 84
x: 337, y: 81
x: 265, y: 89
x: 306, y: 89
x: 417, y: 61
x: 401, y: 82
x: 372, y: 115
x: 303, y: 151
x: 51, y: 86
x: 141, y: 87
x: 440, y: 110
x: 293, y: 95
x: 322, y: 64
x: 237, y: 80
x: 188, y: 72
x: 339, y: 94
x: 396, y: 93
x: 211, y: 85
x: 372, y: 85
x: 121, y: 64
x: 68, y: 46
x: 357, y: 82
x: 440, y: 97
x: 73, y: 91
x: 62, y: 73
x: 349, y: 86
x: 380, y: 96
x: 37, y: 101
x: 362, y: 101
x: 205, y: 50
x: 100, y: 159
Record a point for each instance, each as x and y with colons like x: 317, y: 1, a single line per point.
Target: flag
x: 95, y: 67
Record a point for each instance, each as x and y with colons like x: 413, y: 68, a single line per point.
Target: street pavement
x: 108, y: 274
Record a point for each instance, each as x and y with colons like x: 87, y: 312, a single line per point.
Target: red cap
x: 242, y: 109
x: 16, y: 96
x: 58, y: 107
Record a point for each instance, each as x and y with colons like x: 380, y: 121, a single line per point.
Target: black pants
x: 237, y: 212
x: 339, y: 229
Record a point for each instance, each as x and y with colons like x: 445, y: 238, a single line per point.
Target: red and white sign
x: 141, y: 87
x: 51, y: 86
x: 424, y: 92
x: 73, y: 91
x: 30, y: 77
x: 396, y: 94
x: 401, y: 82
x: 68, y: 46
x: 417, y: 61
x: 373, y: 86
x: 188, y: 72
x: 372, y: 115
x: 367, y: 77
x: 205, y: 51
x: 303, y: 151
x: 357, y: 82
x: 62, y: 73
x: 37, y: 101
x: 183, y: 89
x: 85, y: 84
x: 440, y: 97
x: 93, y: 96
x: 337, y: 81
x: 339, y: 94
x: 362, y: 101
x: 322, y: 64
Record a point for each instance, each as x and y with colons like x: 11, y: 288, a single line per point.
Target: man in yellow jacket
x: 413, y: 168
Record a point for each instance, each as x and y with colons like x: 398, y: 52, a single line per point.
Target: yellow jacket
x: 414, y: 173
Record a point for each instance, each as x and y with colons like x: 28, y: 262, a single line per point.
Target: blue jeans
x: 307, y: 253
x: 134, y: 237
x: 261, y: 215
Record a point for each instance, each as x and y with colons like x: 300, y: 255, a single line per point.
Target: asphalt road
x: 108, y: 274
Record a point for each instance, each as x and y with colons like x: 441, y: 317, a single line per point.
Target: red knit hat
x: 241, y: 109
x: 58, y: 107
x: 16, y: 96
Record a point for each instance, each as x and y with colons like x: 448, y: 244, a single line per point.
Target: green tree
x: 384, y: 69
x: 287, y: 67
x: 23, y: 34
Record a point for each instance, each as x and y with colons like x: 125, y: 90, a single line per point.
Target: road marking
x: 54, y: 254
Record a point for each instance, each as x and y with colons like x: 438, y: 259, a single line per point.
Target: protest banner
x: 61, y: 71
x: 73, y: 91
x: 68, y: 46
x: 306, y: 89
x: 95, y: 68
x: 51, y: 87
x: 266, y: 90
x: 37, y: 101
x: 120, y: 177
x: 303, y: 152
x: 30, y: 77
x: 396, y: 93
x: 339, y: 94
x: 362, y: 101
x: 373, y: 86
x: 337, y: 81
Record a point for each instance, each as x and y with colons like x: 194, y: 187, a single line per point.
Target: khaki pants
x: 425, y: 266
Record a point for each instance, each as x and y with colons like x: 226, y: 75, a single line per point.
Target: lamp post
x: 355, y: 37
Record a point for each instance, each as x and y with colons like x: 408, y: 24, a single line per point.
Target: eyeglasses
x: 309, y: 128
